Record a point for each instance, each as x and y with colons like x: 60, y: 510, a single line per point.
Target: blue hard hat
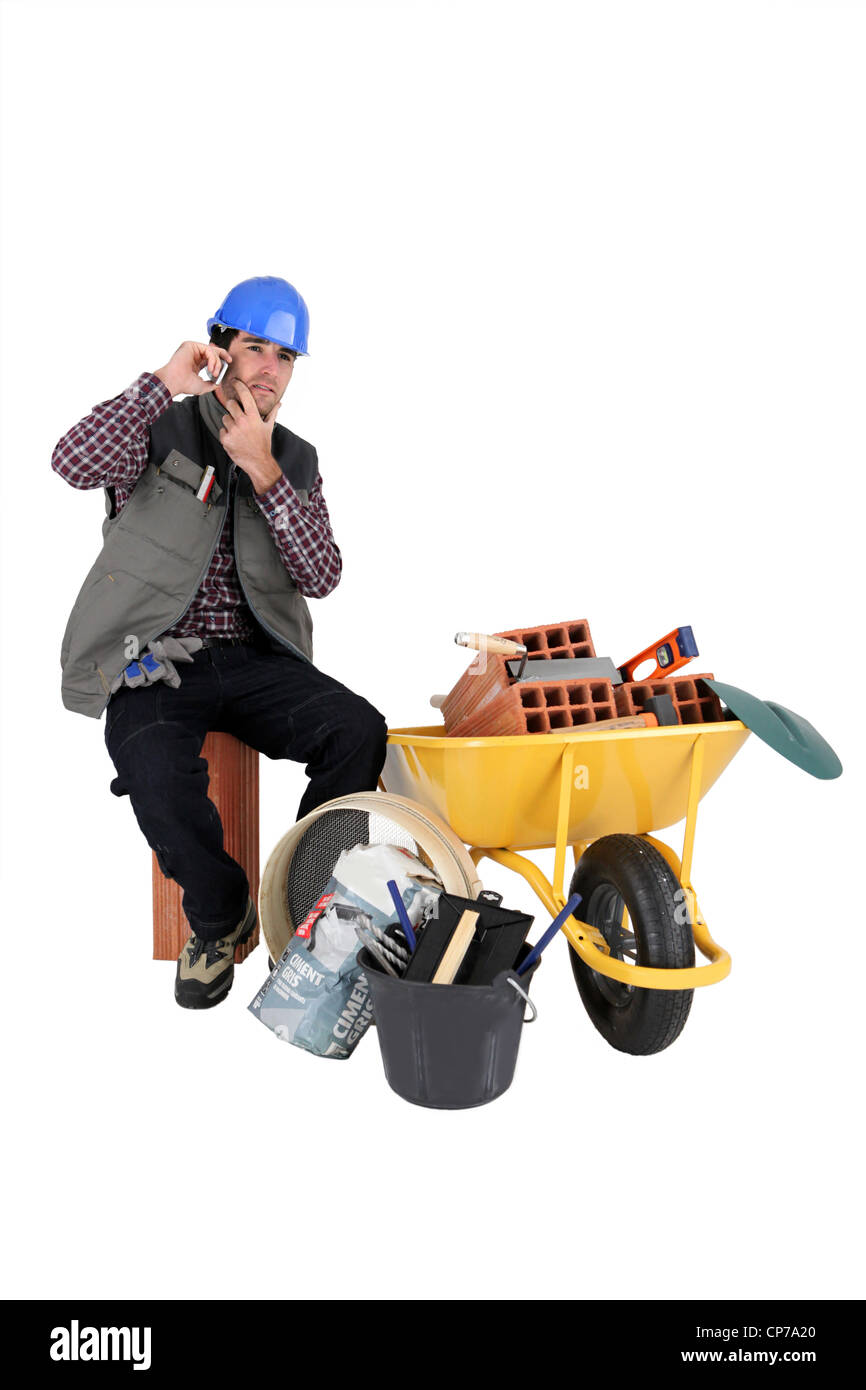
x: 268, y: 308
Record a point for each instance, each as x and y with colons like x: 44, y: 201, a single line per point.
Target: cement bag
x: 317, y: 996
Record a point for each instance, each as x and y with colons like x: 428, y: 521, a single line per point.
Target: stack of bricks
x: 487, y: 703
x: 693, y: 701
x: 487, y: 679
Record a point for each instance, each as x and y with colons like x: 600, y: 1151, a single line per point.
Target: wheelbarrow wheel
x: 621, y: 874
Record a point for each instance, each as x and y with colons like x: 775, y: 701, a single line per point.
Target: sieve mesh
x: 319, y: 848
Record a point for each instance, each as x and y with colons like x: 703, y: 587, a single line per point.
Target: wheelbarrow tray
x: 506, y: 791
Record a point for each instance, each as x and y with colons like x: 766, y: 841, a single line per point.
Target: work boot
x: 205, y: 969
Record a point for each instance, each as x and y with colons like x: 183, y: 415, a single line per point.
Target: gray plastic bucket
x: 449, y: 1047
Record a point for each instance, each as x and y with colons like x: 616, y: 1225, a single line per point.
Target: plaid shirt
x: 109, y: 448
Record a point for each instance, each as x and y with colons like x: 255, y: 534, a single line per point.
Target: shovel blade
x: 785, y: 732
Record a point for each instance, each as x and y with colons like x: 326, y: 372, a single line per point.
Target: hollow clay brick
x: 477, y: 688
x: 693, y: 701
x: 539, y: 708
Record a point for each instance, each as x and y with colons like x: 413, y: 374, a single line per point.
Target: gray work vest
x: 157, y: 551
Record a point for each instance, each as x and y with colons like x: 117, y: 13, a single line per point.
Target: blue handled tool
x: 408, y: 931
x: 570, y: 907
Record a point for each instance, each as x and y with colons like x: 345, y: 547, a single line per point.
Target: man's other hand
x: 246, y: 437
x: 181, y: 373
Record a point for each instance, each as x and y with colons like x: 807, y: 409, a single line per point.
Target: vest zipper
x: 285, y: 642
x: 275, y: 635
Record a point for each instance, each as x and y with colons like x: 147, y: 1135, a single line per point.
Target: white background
x: 587, y: 296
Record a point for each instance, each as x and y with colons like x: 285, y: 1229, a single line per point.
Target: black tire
x: 624, y: 871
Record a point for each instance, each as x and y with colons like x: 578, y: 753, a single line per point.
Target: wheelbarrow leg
x: 551, y: 894
x: 709, y: 948
x: 519, y: 864
x: 566, y: 787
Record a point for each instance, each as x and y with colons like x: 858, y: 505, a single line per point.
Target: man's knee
x: 155, y: 765
x: 350, y: 721
x: 370, y: 721
x: 369, y: 726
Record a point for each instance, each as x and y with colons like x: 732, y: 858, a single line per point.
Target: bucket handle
x: 522, y: 992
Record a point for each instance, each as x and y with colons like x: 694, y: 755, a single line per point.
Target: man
x: 216, y: 529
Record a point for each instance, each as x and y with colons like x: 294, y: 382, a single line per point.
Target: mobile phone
x: 217, y: 379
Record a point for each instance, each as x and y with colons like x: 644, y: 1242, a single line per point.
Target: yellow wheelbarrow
x: 601, y: 794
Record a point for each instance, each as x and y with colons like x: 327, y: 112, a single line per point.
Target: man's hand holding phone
x: 181, y: 373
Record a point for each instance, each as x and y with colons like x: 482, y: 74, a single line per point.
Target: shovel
x: 785, y: 732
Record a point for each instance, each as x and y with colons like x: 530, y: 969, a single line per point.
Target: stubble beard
x: 227, y: 386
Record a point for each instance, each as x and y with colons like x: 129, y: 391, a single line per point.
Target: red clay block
x: 478, y: 687
x: 556, y: 640
x: 693, y: 701
x: 539, y: 708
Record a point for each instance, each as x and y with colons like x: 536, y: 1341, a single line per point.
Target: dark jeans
x: 269, y: 699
